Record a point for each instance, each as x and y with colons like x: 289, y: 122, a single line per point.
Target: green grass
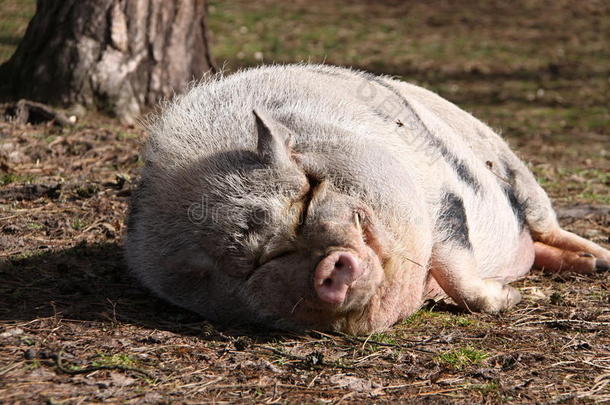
x: 385, y: 337
x: 10, y: 178
x: 463, y: 357
x: 485, y: 389
x: 87, y: 190
x: 123, y: 135
x: 122, y: 360
x: 25, y: 255
x: 394, y: 37
x: 78, y: 224
x: 14, y: 18
x: 48, y: 138
x: 426, y: 317
x: 33, y: 364
x: 106, y: 360
x: 560, y: 119
x: 575, y: 184
x: 592, y: 197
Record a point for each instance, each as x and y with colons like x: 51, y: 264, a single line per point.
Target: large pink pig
x: 315, y: 196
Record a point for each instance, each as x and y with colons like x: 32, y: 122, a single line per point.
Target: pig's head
x: 273, y: 237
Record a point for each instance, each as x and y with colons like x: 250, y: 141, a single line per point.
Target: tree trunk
x: 117, y: 56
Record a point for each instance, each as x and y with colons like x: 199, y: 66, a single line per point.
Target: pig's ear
x: 273, y: 140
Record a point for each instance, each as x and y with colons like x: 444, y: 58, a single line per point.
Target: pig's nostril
x: 342, y: 263
x: 335, y: 275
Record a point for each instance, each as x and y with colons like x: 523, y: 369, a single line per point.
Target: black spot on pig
x: 459, y: 166
x: 462, y: 171
x: 452, y: 221
x: 517, y: 206
x: 509, y: 172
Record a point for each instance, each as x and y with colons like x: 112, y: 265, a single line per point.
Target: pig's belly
x: 510, y: 264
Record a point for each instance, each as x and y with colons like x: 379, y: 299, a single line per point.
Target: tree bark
x: 118, y: 56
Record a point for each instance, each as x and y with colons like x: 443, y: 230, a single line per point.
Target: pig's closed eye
x: 362, y: 224
x: 306, y: 200
x: 270, y: 256
x: 358, y: 220
x: 259, y: 218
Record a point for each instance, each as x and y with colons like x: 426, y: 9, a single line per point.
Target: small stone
x: 242, y: 343
x: 103, y: 384
x: 29, y: 354
x: 11, y: 332
x: 121, y: 380
x: 10, y: 229
x: 152, y: 398
x: 353, y: 383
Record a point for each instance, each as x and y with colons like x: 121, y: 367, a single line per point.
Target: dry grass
x: 65, y: 297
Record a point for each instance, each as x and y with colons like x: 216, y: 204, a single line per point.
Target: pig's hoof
x: 602, y: 265
x: 496, y: 297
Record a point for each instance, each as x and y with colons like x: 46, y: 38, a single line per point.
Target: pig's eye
x: 267, y: 257
x: 258, y: 219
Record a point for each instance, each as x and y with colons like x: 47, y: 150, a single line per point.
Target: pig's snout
x: 334, y: 275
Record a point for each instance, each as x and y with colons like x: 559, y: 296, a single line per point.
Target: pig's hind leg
x: 563, y: 251
x: 556, y: 249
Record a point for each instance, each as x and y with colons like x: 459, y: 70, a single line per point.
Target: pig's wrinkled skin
x: 314, y: 196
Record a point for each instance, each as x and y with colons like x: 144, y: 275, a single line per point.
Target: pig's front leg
x: 455, y: 270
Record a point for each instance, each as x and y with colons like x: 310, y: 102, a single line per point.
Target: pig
x: 312, y: 196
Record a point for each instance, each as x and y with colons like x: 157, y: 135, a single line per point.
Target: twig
x: 545, y: 321
x: 305, y: 359
x: 201, y: 384
x: 423, y: 394
x: 595, y: 365
x: 24, y: 111
x: 412, y: 345
x: 9, y: 368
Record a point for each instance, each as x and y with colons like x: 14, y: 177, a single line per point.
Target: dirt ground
x: 75, y: 328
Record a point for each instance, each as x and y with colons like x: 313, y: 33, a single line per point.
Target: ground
x: 75, y: 328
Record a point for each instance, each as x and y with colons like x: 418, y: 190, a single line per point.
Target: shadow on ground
x: 86, y: 282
